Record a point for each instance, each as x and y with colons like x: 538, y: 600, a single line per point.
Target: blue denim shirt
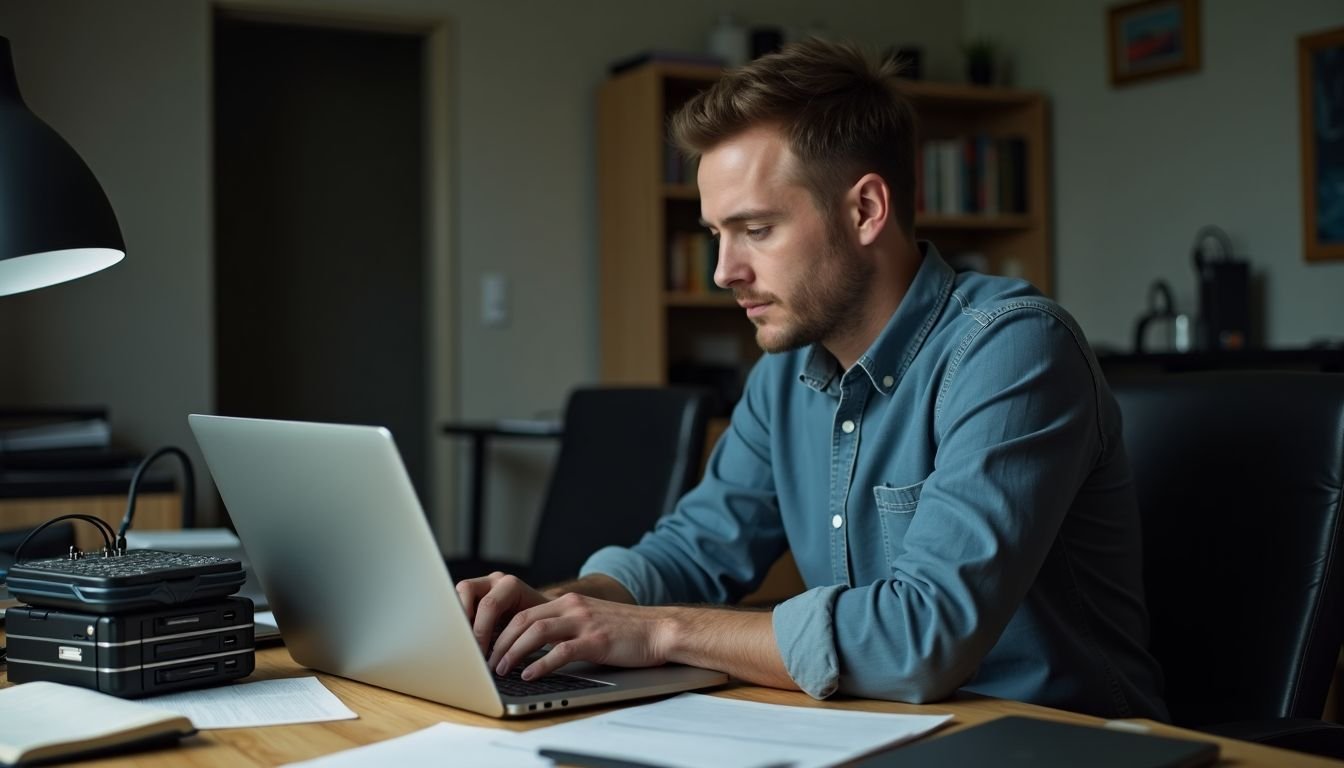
x: 959, y: 504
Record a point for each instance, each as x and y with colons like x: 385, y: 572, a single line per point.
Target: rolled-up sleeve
x: 805, y: 634
x: 633, y: 571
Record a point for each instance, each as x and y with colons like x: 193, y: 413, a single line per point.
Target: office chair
x: 1239, y: 479
x: 626, y: 456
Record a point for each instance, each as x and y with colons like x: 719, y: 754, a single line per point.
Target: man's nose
x: 731, y: 268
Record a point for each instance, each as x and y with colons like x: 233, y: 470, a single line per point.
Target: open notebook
x: 38, y: 723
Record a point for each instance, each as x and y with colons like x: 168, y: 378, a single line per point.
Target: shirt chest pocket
x: 895, y: 509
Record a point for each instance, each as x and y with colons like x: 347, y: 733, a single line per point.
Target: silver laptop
x: 345, y: 555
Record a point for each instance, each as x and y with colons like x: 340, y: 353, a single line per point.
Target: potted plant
x: 979, y: 62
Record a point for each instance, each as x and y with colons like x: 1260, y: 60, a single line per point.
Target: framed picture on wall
x: 1320, y: 80
x: 1152, y: 38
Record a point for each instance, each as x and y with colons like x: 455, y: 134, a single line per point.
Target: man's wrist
x: 740, y: 642
x: 669, y: 632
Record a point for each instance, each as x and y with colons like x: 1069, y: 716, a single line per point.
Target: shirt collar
x: 890, y: 355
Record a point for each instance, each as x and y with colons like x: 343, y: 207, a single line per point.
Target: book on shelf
x: 48, y: 429
x: 42, y: 722
x: 678, y: 168
x: 691, y: 260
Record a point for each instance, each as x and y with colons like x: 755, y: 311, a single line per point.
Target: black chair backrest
x: 626, y: 457
x: 1239, y: 479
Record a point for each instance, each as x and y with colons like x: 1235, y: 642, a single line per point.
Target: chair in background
x: 626, y: 456
x: 1239, y: 479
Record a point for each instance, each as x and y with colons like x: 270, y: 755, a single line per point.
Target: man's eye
x: 758, y: 233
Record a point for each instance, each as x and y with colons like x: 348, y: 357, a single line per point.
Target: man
x: 939, y: 450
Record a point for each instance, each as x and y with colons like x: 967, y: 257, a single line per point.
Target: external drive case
x: 135, y: 654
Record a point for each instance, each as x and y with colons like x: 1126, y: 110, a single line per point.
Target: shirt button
x: 848, y: 427
x: 837, y: 521
x: 887, y: 381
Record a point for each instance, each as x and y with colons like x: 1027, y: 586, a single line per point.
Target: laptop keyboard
x: 513, y: 684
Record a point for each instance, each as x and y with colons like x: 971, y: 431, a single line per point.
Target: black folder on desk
x: 1027, y: 741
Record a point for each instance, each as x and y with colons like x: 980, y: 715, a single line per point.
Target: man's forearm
x: 741, y: 643
x: 598, y: 585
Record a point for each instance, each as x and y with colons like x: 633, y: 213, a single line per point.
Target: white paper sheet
x: 438, y: 745
x: 698, y: 731
x: 266, y: 702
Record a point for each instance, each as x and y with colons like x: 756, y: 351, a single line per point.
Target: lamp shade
x: 55, y: 221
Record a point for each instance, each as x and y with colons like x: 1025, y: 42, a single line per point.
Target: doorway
x: 320, y: 231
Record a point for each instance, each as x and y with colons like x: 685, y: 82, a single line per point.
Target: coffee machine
x: 1224, y: 292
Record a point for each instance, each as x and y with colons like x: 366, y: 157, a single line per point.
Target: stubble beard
x: 826, y: 305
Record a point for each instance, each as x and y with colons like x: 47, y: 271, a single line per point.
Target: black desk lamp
x: 55, y: 221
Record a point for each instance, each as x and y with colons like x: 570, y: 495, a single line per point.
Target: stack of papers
x: 437, y: 745
x: 691, y: 730
x: 698, y: 731
x: 248, y: 705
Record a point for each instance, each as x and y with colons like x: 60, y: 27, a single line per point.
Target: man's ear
x: 870, y: 207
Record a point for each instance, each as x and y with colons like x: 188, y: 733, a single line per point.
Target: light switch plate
x: 494, y: 300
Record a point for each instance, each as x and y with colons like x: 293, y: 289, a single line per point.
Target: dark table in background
x: 1323, y: 359
x: 481, y: 432
x: 36, y: 486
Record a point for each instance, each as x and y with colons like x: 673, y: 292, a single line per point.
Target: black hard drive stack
x: 129, y: 623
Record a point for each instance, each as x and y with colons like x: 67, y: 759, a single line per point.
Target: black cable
x: 103, y: 526
x: 188, y: 496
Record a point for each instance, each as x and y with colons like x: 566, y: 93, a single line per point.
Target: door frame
x: 440, y: 353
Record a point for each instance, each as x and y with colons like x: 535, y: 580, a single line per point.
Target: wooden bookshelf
x: 1016, y: 244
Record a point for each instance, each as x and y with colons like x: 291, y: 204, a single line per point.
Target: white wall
x: 1137, y: 170
x: 127, y: 83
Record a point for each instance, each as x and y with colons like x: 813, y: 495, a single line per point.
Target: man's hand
x: 579, y: 627
x: 489, y: 600
x: 595, y: 619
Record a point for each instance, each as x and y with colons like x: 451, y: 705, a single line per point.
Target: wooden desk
x: 384, y: 714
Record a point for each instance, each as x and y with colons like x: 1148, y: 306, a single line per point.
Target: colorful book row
x: 985, y: 175
x: 691, y: 258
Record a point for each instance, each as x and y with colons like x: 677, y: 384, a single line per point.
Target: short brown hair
x: 840, y: 113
